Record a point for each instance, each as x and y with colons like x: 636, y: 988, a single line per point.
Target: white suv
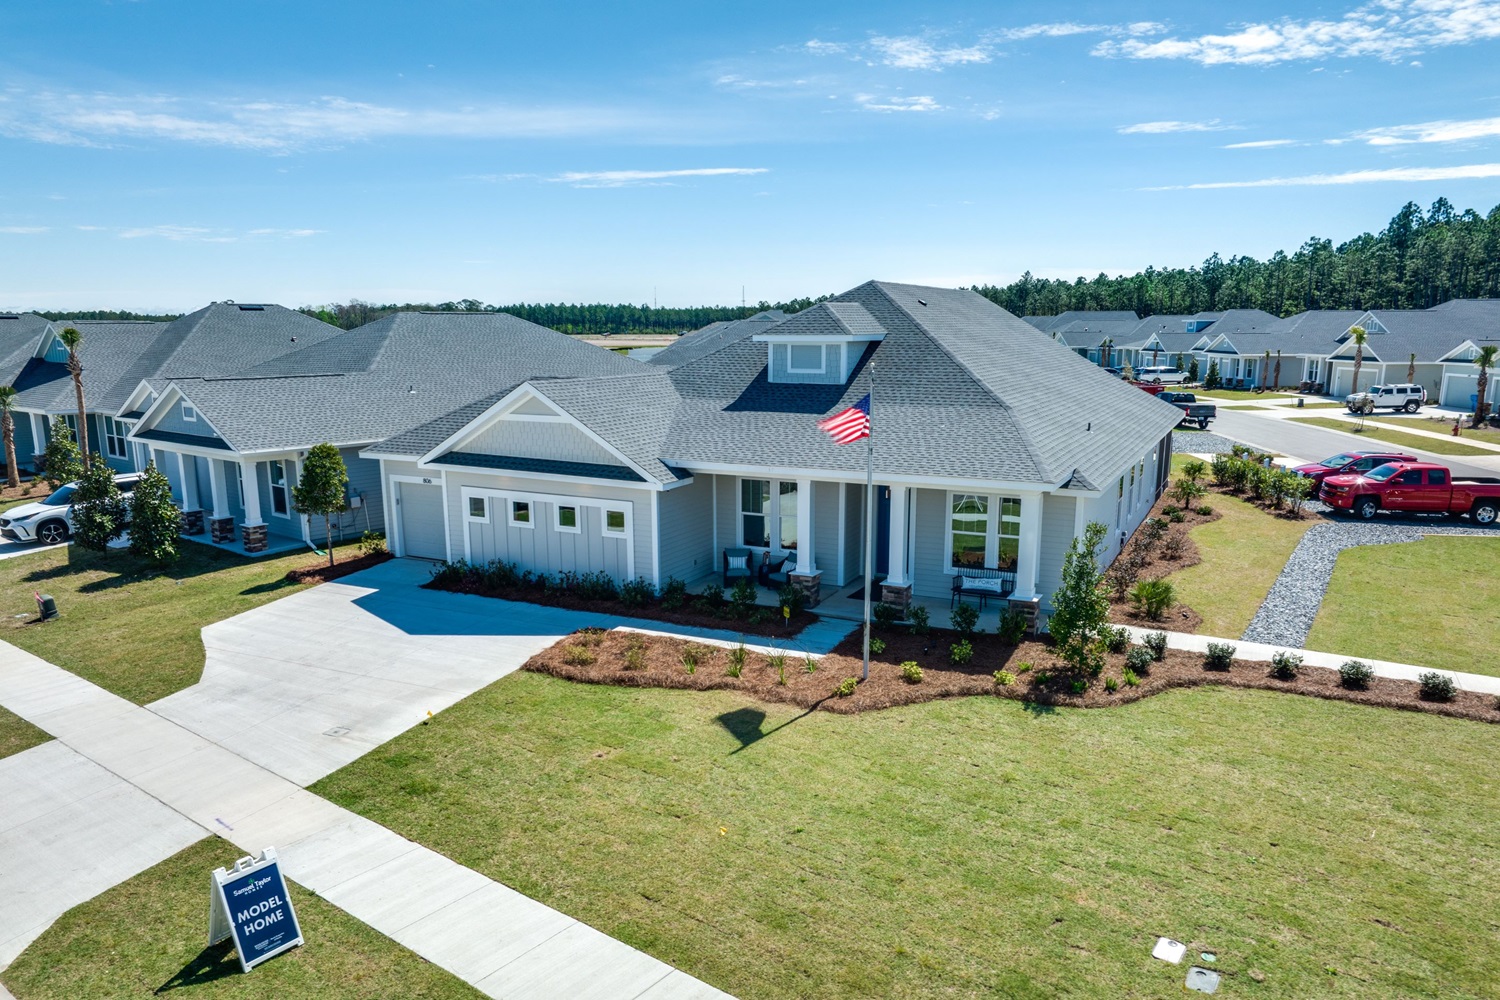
x: 1161, y: 375
x: 50, y: 520
x: 1405, y: 396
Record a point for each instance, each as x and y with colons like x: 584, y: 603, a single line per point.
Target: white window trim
x: 557, y: 500
x: 114, y: 430
x: 285, y: 487
x: 469, y: 514
x: 239, y: 480
x: 772, y: 514
x: 557, y: 524
x: 993, y: 517
x: 510, y: 513
x: 822, y: 368
x: 624, y: 523
x: 189, y: 413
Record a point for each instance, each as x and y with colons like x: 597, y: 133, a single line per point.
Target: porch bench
x: 981, y: 584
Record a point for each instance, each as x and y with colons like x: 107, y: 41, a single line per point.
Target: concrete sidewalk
x: 166, y: 787
x: 1481, y: 683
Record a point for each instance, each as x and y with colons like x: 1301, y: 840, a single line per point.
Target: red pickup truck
x: 1416, y: 487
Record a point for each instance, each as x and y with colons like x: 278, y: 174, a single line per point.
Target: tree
x: 1278, y: 369
x: 1192, y: 369
x: 98, y: 507
x: 1265, y: 369
x: 1105, y: 348
x: 155, y: 521
x: 1411, y: 369
x: 1212, y: 380
x: 1360, y: 338
x: 1080, y: 607
x: 321, y: 488
x: 61, y: 463
x: 8, y: 427
x: 1485, y: 360
x: 72, y: 340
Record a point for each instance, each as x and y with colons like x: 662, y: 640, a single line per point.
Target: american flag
x: 850, y: 425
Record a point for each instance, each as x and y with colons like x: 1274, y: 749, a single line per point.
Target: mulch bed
x: 322, y: 572
x: 1154, y: 564
x: 775, y: 626
x: 595, y: 657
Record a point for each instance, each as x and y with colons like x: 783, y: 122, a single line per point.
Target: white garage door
x: 1458, y: 388
x: 421, y: 507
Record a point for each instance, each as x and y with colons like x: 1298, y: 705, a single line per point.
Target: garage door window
x: 567, y: 519
x: 520, y: 514
x: 479, y: 509
x: 614, y: 522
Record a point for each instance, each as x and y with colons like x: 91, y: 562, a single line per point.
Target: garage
x: 1458, y: 388
x: 420, y: 512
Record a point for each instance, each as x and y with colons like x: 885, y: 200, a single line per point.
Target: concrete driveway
x: 1314, y: 443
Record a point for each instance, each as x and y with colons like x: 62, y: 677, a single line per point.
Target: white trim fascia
x: 843, y: 530
x: 513, y: 474
x: 927, y: 482
x: 130, y: 401
x: 163, y: 405
x: 655, y: 540
x: 1444, y: 360
x: 836, y: 338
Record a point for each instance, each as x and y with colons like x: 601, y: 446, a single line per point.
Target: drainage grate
x: 336, y: 731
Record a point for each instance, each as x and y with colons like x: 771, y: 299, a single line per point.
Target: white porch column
x: 896, y: 562
x: 251, y: 499
x: 805, y: 565
x: 189, y: 483
x: 38, y: 434
x: 218, y: 487
x: 1029, y: 557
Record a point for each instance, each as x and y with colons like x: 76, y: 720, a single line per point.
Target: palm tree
x: 1360, y: 338
x: 1486, y: 359
x: 1411, y: 370
x: 8, y: 427
x: 72, y: 339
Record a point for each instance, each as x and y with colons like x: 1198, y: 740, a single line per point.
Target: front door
x: 882, y: 530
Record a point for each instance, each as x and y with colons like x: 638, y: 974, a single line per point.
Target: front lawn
x: 16, y: 734
x: 124, y: 625
x: 1444, y: 616
x: 976, y: 847
x: 145, y: 936
x: 1210, y: 395
x: 1375, y: 431
x: 1442, y: 425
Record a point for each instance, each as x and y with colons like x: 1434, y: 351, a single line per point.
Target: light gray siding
x: 832, y: 374
x: 540, y: 439
x: 826, y: 530
x: 1058, y: 512
x: 364, y: 481
x: 172, y: 421
x: 929, y: 573
x: 854, y: 538
x: 543, y: 548
x: 728, y: 516
x: 685, y: 517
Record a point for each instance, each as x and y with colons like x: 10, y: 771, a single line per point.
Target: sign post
x: 249, y: 903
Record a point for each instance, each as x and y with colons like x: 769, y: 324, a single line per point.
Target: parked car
x: 1349, y: 463
x: 1404, y: 396
x: 1117, y: 373
x: 1161, y: 375
x: 50, y: 520
x: 1417, y: 487
x: 1193, y: 412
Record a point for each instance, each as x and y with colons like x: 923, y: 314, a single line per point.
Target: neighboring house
x: 994, y: 447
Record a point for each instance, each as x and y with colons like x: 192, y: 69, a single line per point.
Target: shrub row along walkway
x: 1286, y: 615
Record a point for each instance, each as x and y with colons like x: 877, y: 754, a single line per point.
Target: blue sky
x: 162, y: 153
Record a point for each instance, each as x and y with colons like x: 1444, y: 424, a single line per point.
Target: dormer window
x: 807, y: 359
x: 821, y: 345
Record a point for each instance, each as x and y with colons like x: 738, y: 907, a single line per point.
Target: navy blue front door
x: 882, y: 530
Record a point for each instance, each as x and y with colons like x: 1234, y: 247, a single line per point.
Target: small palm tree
x: 1486, y: 359
x: 1411, y: 370
x: 8, y: 427
x: 1360, y: 338
x: 72, y: 340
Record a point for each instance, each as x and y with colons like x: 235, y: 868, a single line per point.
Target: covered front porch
x: 237, y: 504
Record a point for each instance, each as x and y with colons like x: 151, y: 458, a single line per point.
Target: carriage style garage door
x: 421, y: 507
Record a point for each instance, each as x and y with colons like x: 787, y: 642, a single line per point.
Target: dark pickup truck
x: 1415, y: 487
x: 1193, y: 412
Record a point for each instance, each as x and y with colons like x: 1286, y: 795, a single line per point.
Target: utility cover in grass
x: 1202, y: 980
x: 1168, y: 950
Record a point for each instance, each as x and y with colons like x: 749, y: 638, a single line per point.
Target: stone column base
x: 809, y: 584
x: 254, y: 537
x: 896, y: 596
x: 221, y: 529
x: 192, y: 522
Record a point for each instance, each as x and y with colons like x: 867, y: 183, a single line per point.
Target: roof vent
x: 10, y: 316
x: 921, y: 302
x: 255, y: 309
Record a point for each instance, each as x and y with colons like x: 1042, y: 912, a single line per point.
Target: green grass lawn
x: 126, y: 627
x: 1377, y: 432
x: 1449, y: 589
x: 1441, y: 425
x: 975, y: 847
x: 16, y: 734
x: 145, y: 936
x: 1238, y: 394
x: 1243, y: 552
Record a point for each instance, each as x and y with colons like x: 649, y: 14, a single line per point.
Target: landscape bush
x: 1078, y: 685
x: 1186, y: 491
x: 1285, y: 665
x: 1156, y: 642
x: 1152, y: 598
x: 961, y: 652
x: 1220, y: 656
x: 846, y: 687
x: 635, y: 654
x: 791, y: 599
x: 1004, y: 678
x: 636, y: 593
x: 1111, y: 685
x: 965, y: 619
x: 372, y: 543
x: 1356, y: 674
x: 673, y: 594
x: 1131, y: 678
x: 1177, y: 518
x: 736, y: 661
x: 921, y: 621
x: 911, y: 673
x: 1203, y: 510
x: 1194, y: 470
x: 1138, y: 659
x: 1012, y: 628
x: 877, y: 645
x: 742, y: 598
x: 578, y: 656
x: 885, y: 616
x: 1117, y: 639
x: 1433, y: 686
x: 691, y: 655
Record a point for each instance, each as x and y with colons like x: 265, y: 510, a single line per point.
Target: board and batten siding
x: 547, y: 439
x: 542, y: 547
x: 826, y: 531
x: 172, y: 421
x: 1058, y: 513
x: 686, y: 515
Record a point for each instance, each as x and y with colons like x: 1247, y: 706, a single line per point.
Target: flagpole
x: 869, y: 518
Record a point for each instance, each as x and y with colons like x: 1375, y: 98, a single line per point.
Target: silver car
x: 50, y: 520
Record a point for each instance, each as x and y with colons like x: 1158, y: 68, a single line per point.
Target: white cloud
x: 736, y: 82
x: 1438, y: 131
x: 203, y: 234
x: 23, y: 230
x: 1161, y: 128
x: 1473, y: 171
x: 1058, y: 29
x: 911, y: 52
x: 623, y: 178
x: 821, y: 48
x: 872, y: 103
x: 101, y: 119
x: 1384, y: 29
x: 290, y: 234
x: 1262, y: 144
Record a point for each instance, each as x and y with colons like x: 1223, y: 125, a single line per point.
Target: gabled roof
x: 109, y: 348
x: 829, y: 321
x: 700, y: 343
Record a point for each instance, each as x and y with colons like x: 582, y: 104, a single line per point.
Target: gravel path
x: 1286, y: 616
x: 1200, y: 443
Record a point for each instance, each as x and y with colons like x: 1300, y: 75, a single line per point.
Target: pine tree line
x: 582, y: 318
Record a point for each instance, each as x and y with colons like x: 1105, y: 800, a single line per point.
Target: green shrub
x: 712, y: 594
x: 1004, y: 678
x: 1186, y: 491
x: 965, y: 619
x: 911, y: 673
x: 1043, y: 677
x: 1012, y: 627
x: 1153, y: 598
x: 637, y: 593
x: 1204, y: 510
x: 1024, y: 667
x: 1117, y: 639
x: 1355, y: 674
x: 877, y: 645
x: 921, y: 621
x: 737, y: 660
x: 1111, y: 685
x: 809, y: 665
x: 1078, y: 685
x: 846, y: 687
x: 961, y: 652
x: 590, y: 635
x: 578, y: 656
x: 759, y: 616
x: 372, y: 543
x: 1171, y: 546
x: 1434, y: 686
x: 1170, y: 509
x: 1156, y: 642
x: 1177, y: 517
x: 886, y: 616
x: 1194, y: 470
x: 1219, y: 656
x: 742, y: 597
x: 1285, y: 665
x: 691, y: 656
x: 635, y: 654
x: 1131, y: 678
x: 791, y: 600
x: 777, y: 660
x: 1138, y: 659
x: 673, y: 594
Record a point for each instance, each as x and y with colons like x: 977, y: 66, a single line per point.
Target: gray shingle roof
x: 701, y: 343
x: 828, y: 320
x: 108, y: 350
x: 541, y: 466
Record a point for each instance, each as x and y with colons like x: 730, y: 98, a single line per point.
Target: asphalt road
x: 1316, y: 443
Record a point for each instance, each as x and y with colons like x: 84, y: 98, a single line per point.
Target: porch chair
x: 738, y: 563
x: 981, y: 584
x: 776, y: 573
